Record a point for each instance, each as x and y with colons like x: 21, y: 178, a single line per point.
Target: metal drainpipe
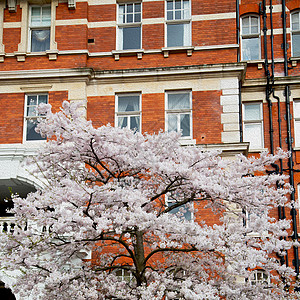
x: 267, y: 73
x: 238, y: 60
x: 289, y: 141
x: 281, y: 210
x: 237, y: 20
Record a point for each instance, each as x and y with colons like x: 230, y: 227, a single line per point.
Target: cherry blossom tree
x: 135, y: 201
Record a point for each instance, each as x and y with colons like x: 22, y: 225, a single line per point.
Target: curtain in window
x: 185, y: 124
x: 40, y: 40
x: 128, y: 103
x: 179, y: 101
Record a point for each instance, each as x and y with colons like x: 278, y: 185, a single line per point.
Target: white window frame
x: 296, y: 103
x: 31, y: 27
x: 121, y: 25
x: 250, y: 35
x: 137, y: 113
x: 254, y: 122
x: 257, y: 281
x: 28, y: 118
x: 295, y: 32
x: 179, y: 112
x: 187, y: 34
x: 168, y: 199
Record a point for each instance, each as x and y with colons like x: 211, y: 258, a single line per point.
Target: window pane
x: 131, y: 38
x: 135, y: 123
x: 31, y: 134
x: 128, y: 103
x: 40, y: 40
x: 185, y: 124
x: 31, y: 111
x: 177, y: 4
x: 129, y: 8
x: 129, y: 18
x: 121, y: 14
x: 46, y: 16
x: 169, y: 5
x: 170, y: 15
x: 254, y: 25
x: 297, y: 133
x: 253, y: 134
x: 182, y: 211
x: 137, y: 7
x: 295, y: 21
x: 297, y: 109
x: 172, y: 122
x: 245, y: 25
x: 137, y: 17
x: 35, y: 16
x: 43, y: 99
x: 177, y: 15
x: 179, y: 101
x: 250, y: 49
x: 252, y: 112
x: 122, y: 122
x: 32, y: 100
x: 175, y: 35
x: 296, y: 44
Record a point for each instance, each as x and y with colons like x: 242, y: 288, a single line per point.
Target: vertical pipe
x: 289, y: 142
x: 267, y: 73
x: 240, y: 112
x: 237, y: 15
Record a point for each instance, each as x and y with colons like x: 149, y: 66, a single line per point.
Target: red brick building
x: 226, y: 73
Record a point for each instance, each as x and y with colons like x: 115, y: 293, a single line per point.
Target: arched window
x: 259, y: 277
x: 295, y: 16
x: 250, y: 38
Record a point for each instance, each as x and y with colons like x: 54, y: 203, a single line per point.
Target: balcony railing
x: 7, y: 224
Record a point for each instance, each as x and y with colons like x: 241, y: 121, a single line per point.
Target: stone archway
x: 12, y: 185
x: 6, y: 294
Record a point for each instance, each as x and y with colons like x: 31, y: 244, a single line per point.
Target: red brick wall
x: 12, y: 114
x: 101, y: 110
x: 153, y: 112
x: 71, y: 37
x: 153, y: 9
x: 13, y: 16
x: 63, y: 13
x: 11, y: 39
x: 104, y: 39
x: 102, y: 13
x: 207, y: 111
x: 153, y: 36
x: 12, y: 117
x: 56, y: 99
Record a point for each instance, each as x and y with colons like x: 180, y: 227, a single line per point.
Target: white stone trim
x: 71, y: 22
x: 102, y: 2
x: 210, y: 17
x: 153, y: 21
x: 23, y: 46
x: 12, y: 25
x: 101, y: 24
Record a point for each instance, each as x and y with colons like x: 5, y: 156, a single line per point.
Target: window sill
x: 187, y: 49
x: 34, y: 143
x: 258, y: 62
x: 257, y: 150
x: 52, y: 54
x: 294, y: 60
x: 130, y: 52
x: 187, y: 141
